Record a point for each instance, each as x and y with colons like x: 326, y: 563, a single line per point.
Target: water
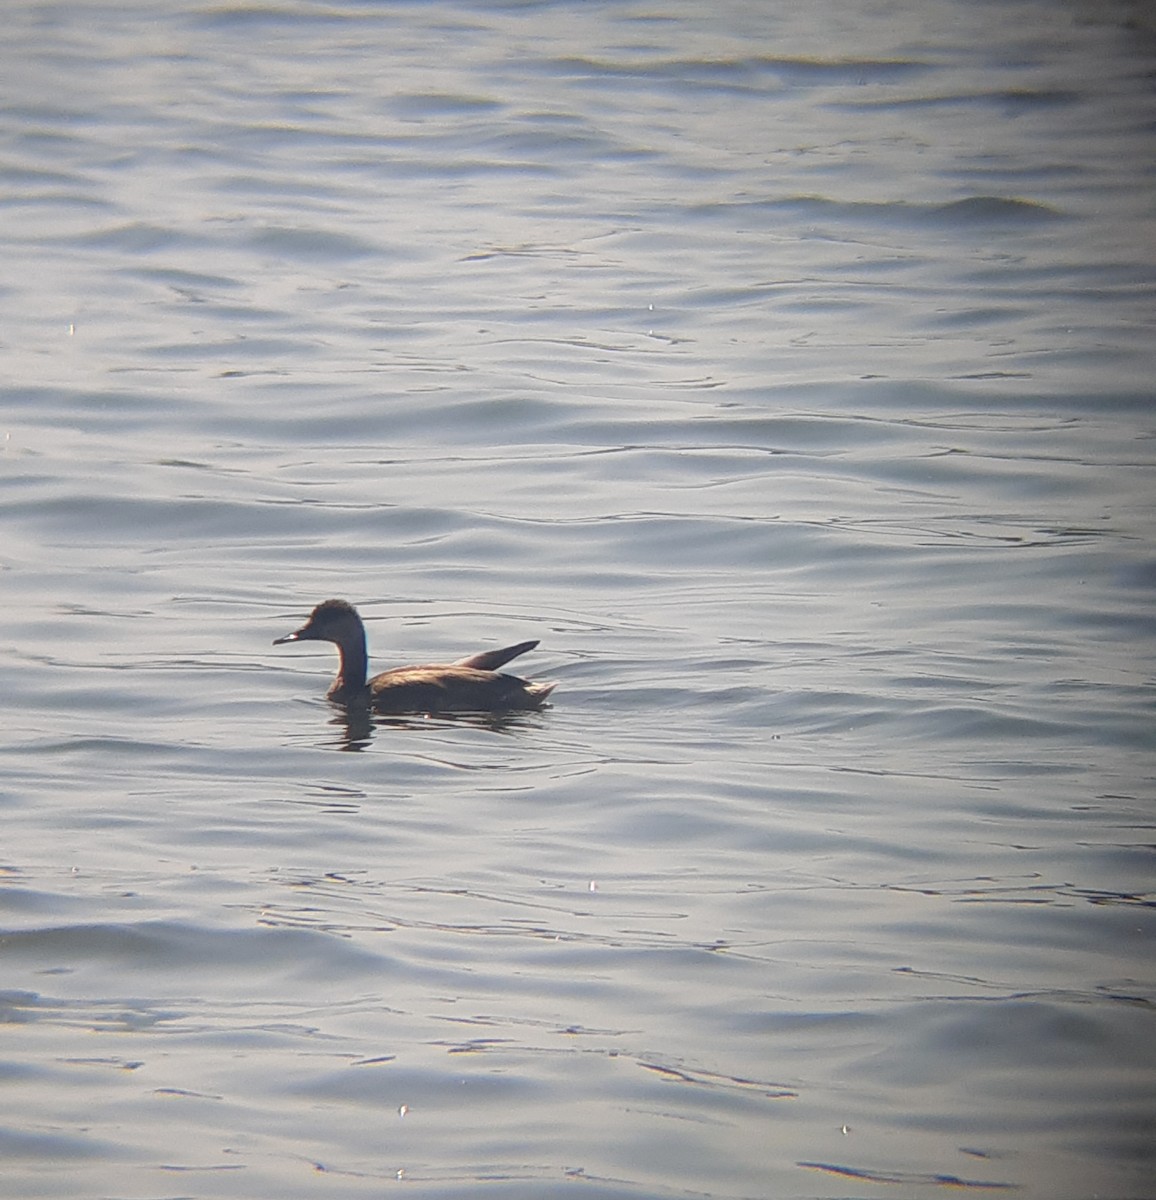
x: 788, y: 373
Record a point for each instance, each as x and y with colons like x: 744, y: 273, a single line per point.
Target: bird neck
x: 354, y: 662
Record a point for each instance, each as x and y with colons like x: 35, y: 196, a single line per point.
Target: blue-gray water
x: 788, y: 370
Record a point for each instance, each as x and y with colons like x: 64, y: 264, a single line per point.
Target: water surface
x: 789, y: 376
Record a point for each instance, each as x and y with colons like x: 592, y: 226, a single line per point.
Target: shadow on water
x: 359, y: 726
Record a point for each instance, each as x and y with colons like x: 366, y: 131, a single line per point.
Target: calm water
x: 788, y: 371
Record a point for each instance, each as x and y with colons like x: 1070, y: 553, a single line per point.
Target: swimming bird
x: 472, y: 684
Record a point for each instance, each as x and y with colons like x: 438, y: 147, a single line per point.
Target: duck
x: 473, y: 684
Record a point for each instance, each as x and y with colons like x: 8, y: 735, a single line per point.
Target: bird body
x: 473, y: 684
